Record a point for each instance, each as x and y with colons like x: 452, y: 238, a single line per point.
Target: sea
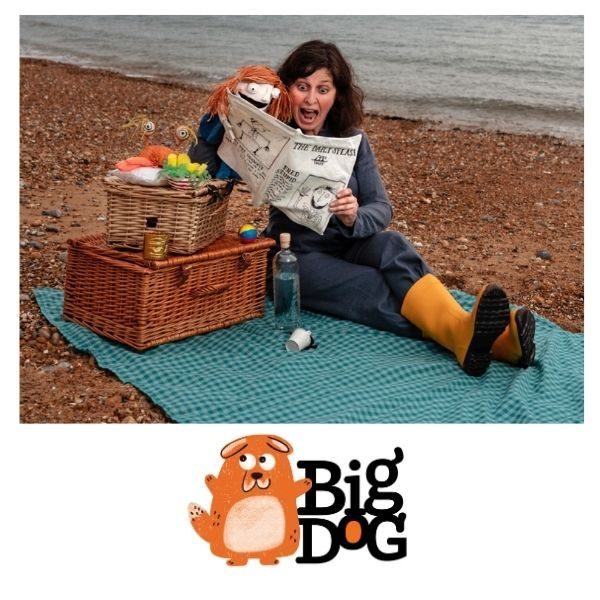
x: 521, y: 74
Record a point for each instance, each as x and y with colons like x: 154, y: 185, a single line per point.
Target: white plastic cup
x: 299, y: 340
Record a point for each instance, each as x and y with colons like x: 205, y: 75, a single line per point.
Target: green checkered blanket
x: 243, y: 374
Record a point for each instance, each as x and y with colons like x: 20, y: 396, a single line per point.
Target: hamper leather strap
x: 184, y: 273
x: 246, y: 259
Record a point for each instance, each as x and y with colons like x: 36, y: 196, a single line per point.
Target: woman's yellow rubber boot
x: 469, y: 335
x: 515, y: 344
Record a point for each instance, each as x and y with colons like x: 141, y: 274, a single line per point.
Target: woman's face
x: 312, y: 98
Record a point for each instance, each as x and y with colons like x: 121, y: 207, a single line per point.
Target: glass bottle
x: 286, y: 286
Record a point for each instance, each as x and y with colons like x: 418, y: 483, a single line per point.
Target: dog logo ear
x: 234, y: 447
x: 279, y: 444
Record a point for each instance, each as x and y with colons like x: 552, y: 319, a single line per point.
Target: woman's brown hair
x: 347, y: 111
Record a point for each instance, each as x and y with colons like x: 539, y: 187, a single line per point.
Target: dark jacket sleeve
x: 374, y: 207
x: 205, y: 150
x: 210, y: 134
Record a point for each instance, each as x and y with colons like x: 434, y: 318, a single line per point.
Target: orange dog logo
x: 253, y: 512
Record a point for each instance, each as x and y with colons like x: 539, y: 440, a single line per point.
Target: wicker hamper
x: 193, y: 219
x: 142, y: 303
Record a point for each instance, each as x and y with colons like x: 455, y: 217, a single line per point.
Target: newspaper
x: 299, y: 174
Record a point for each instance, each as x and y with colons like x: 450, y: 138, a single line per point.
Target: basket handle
x: 217, y: 194
x: 209, y: 290
x: 246, y: 259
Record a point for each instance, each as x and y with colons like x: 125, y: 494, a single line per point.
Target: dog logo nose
x: 256, y: 475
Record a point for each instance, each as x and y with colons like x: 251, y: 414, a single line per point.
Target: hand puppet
x: 258, y: 84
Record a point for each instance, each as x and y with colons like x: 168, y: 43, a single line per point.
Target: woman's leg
x: 393, y: 255
x: 402, y: 267
x: 388, y: 278
x: 355, y: 292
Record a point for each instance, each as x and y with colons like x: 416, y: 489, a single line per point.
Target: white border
x: 492, y: 511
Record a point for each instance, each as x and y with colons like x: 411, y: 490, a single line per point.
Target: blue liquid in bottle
x: 286, y: 287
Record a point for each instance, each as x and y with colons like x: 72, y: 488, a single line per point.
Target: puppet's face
x: 259, y: 94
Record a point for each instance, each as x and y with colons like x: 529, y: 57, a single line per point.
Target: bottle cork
x: 284, y: 240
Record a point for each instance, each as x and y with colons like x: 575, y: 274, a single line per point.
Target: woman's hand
x: 345, y: 207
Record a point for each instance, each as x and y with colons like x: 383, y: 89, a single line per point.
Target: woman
x: 358, y: 271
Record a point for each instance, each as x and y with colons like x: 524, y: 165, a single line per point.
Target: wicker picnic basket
x: 192, y: 218
x: 142, y: 303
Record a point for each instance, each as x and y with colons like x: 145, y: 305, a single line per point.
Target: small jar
x: 156, y: 245
x: 156, y: 242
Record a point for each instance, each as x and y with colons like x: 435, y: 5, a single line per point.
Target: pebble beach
x: 479, y: 205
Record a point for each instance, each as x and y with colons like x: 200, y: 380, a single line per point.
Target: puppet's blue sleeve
x: 210, y: 134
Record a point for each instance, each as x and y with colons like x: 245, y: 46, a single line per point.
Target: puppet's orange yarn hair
x: 280, y: 108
